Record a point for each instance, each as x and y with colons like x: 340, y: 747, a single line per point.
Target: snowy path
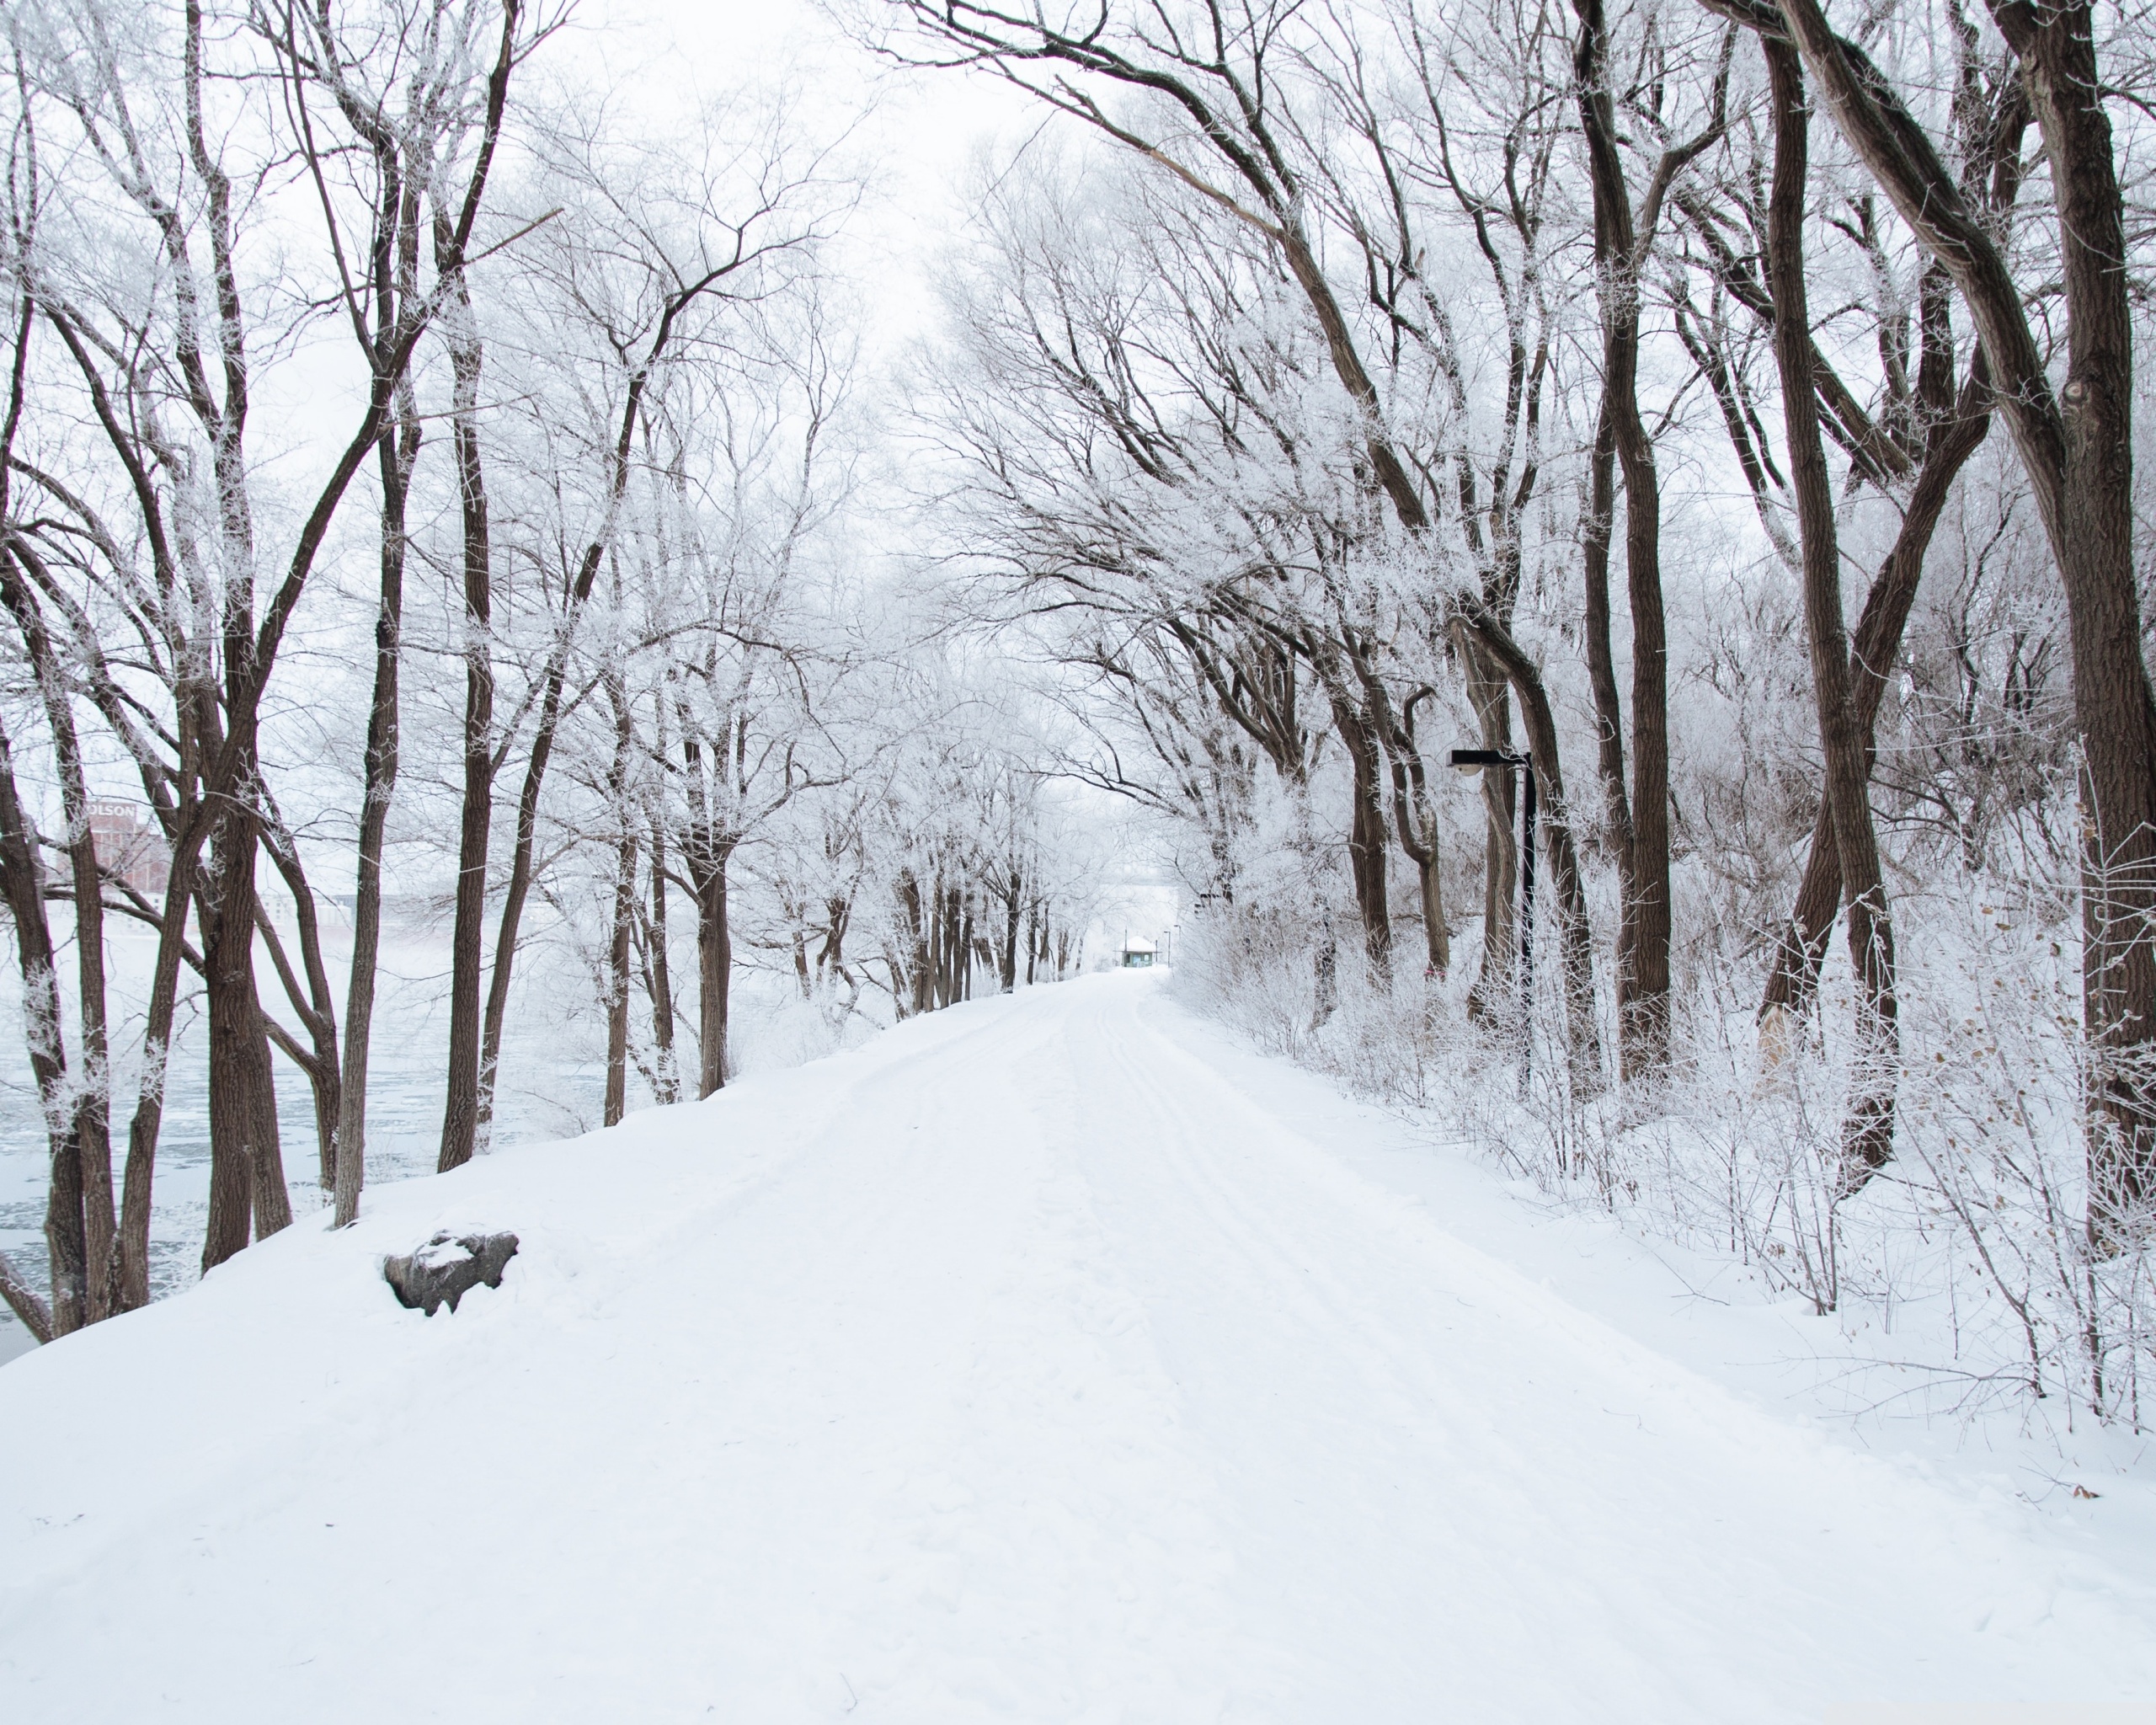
x: 1020, y: 1367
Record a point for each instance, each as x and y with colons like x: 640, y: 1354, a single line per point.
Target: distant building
x: 1138, y: 952
x: 131, y: 846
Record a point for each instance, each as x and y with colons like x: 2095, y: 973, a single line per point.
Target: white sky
x: 655, y: 57
x: 923, y: 130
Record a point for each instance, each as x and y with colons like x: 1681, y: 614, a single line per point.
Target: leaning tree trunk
x: 1868, y: 1132
x: 1793, y: 982
x: 92, y: 1103
x: 2077, y: 448
x: 314, y: 1000
x: 22, y: 879
x: 2117, y: 717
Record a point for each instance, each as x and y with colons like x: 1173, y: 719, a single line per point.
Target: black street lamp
x: 1474, y: 761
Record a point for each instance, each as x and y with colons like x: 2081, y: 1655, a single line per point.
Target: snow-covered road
x: 1023, y: 1366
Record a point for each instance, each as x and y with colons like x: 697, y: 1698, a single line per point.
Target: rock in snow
x: 444, y: 1270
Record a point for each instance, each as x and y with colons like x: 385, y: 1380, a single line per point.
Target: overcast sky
x: 923, y: 130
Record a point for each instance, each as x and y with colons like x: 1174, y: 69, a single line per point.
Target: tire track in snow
x: 1515, y: 1508
x: 1015, y: 1368
x: 1048, y: 1553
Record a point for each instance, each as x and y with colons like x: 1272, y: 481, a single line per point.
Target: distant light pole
x: 1475, y: 760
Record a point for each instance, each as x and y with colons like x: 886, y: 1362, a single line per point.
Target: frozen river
x: 553, y: 1082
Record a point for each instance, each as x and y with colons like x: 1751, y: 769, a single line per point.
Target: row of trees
x: 366, y: 375
x: 1322, y: 383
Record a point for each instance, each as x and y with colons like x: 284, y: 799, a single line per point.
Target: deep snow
x: 1048, y: 1358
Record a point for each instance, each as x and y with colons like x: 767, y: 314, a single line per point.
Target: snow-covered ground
x: 1048, y: 1358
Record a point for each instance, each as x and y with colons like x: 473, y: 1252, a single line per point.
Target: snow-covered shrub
x: 1968, y: 1256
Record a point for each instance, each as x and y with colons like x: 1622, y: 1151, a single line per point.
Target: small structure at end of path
x: 1138, y: 952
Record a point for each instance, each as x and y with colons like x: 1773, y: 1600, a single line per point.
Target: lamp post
x: 1477, y: 761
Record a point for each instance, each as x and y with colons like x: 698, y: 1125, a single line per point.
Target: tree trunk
x: 920, y: 979
x: 512, y: 918
x: 714, y: 967
x: 2076, y: 450
x: 2110, y: 678
x: 617, y: 977
x: 1013, y: 914
x: 21, y: 877
x: 460, y: 1123
x: 1366, y: 831
x: 24, y: 1301
x: 1643, y: 1025
x: 1575, y: 939
x: 190, y: 823
x: 246, y: 1169
x: 1801, y: 946
x: 1490, y: 695
x: 315, y: 1001
x: 92, y: 1102
x: 624, y: 912
x: 398, y: 450
x: 1868, y: 1132
x: 657, y: 971
x: 1595, y: 536
x: 1413, y: 821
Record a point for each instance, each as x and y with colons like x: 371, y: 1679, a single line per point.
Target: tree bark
x: 658, y: 971
x: 1575, y: 940
x: 1596, y: 534
x: 714, y: 965
x: 1801, y: 945
x: 1014, y: 914
x: 467, y: 938
x: 396, y: 451
x: 315, y: 1000
x: 246, y: 1169
x: 1643, y: 1022
x: 24, y: 1301
x: 1868, y: 1131
x: 919, y: 981
x: 625, y: 911
x: 456, y: 1151
x: 1417, y: 826
x: 2076, y: 448
x: 22, y: 880
x: 92, y: 1100
x: 1496, y: 985
x: 1367, y: 842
